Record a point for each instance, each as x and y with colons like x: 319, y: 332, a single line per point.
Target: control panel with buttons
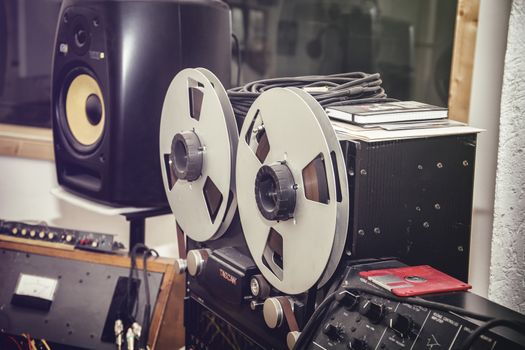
x: 99, y: 242
x: 361, y: 321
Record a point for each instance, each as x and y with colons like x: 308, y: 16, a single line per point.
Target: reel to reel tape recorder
x: 275, y: 202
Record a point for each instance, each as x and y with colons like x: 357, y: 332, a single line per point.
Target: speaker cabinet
x: 112, y: 65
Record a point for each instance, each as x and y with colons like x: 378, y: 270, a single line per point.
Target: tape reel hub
x: 186, y: 156
x: 275, y: 192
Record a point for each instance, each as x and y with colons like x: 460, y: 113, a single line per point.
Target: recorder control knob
x: 291, y: 339
x: 196, y: 260
x: 259, y: 287
x: 273, y: 312
x: 181, y: 265
x: 186, y: 156
x: 373, y: 311
x: 399, y: 323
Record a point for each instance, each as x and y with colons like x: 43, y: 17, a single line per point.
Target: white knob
x: 181, y: 265
x: 273, y: 312
x: 291, y: 339
x: 196, y: 261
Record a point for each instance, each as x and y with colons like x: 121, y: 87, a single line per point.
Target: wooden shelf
x: 26, y: 142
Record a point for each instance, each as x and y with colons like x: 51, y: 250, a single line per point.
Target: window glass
x: 408, y: 41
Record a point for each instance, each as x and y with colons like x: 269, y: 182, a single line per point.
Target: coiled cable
x: 329, y: 90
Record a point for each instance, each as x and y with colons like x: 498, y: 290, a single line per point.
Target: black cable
x: 133, y: 309
x: 329, y: 90
x: 313, y: 321
x: 238, y: 56
x: 514, y: 325
x: 147, y: 308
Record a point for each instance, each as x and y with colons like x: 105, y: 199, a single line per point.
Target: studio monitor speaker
x: 112, y: 65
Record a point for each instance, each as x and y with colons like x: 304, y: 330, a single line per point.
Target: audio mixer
x: 86, y: 240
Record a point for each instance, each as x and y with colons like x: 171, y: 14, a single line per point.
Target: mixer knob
x: 51, y: 236
x: 373, y: 311
x: 357, y: 344
x: 94, y: 244
x: 42, y: 235
x: 32, y: 234
x: 69, y: 238
x: 333, y: 331
x: 14, y: 231
x: 24, y: 232
x: 196, y: 260
x: 400, y: 323
x: 347, y: 299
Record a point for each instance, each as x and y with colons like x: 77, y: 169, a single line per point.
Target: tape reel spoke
x: 315, y: 181
x: 171, y: 178
x: 213, y: 198
x: 272, y: 255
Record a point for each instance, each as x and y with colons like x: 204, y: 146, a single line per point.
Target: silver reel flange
x: 198, y: 143
x: 292, y: 190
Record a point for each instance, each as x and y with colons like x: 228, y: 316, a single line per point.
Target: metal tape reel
x: 198, y: 142
x: 286, y: 142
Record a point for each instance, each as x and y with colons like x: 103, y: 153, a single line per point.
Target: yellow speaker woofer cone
x: 85, y: 112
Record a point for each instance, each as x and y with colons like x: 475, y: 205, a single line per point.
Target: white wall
x: 25, y: 186
x: 507, y: 272
x: 484, y: 113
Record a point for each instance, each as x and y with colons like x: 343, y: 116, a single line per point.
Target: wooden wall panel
x: 463, y: 59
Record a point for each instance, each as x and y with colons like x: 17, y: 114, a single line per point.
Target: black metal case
x: 412, y: 198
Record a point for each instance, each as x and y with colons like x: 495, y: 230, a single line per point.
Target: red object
x: 414, y: 280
